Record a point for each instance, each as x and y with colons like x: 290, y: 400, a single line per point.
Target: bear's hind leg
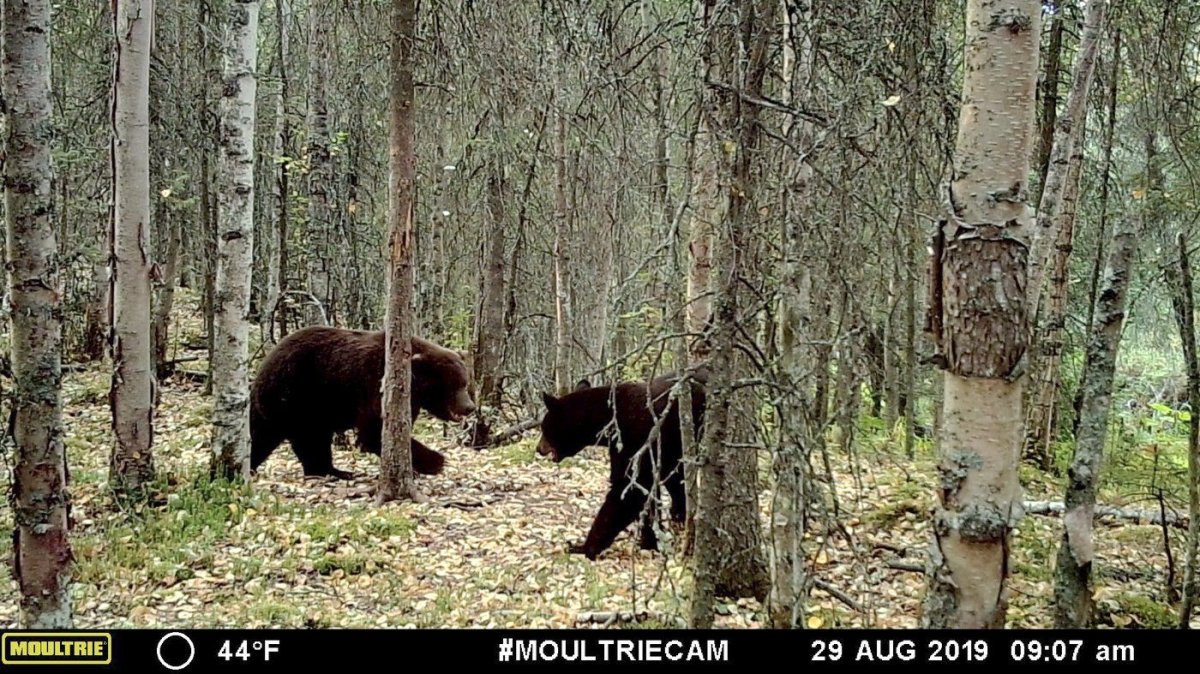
x: 674, y: 485
x: 315, y: 451
x: 425, y: 460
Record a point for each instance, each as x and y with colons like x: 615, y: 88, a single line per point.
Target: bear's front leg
x: 615, y: 515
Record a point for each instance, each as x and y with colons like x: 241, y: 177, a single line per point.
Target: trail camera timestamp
x: 883, y: 650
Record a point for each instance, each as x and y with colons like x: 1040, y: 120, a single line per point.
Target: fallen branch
x: 513, y: 432
x: 837, y: 594
x: 607, y: 618
x: 1133, y: 514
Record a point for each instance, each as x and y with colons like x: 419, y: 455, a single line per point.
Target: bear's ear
x: 583, y: 383
x: 550, y: 401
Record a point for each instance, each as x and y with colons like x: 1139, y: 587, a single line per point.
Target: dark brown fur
x: 318, y: 381
x: 584, y: 417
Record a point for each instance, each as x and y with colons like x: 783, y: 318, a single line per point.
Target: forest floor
x: 488, y: 548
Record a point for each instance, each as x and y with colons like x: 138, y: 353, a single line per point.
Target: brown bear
x: 318, y: 381
x: 584, y: 418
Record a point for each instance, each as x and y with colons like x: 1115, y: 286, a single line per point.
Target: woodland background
x: 567, y: 186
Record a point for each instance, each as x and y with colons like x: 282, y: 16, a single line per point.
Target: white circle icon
x: 191, y: 651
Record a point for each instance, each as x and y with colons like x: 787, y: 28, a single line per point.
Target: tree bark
x: 980, y: 319
x: 41, y: 554
x: 1049, y: 114
x: 166, y: 293
x: 728, y: 556
x: 132, y: 394
x: 790, y: 456
x: 1185, y: 316
x: 562, y: 263
x: 489, y: 344
x: 396, y: 479
x: 1068, y: 133
x: 276, y: 243
x: 1073, y: 570
x: 1041, y: 420
x: 320, y: 172
x: 235, y: 245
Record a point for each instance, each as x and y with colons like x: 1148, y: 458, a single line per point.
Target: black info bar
x: 517, y: 650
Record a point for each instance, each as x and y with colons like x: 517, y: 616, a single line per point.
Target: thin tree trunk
x: 708, y: 208
x: 979, y: 316
x: 1073, y: 591
x: 320, y: 176
x: 1185, y: 316
x: 1049, y: 115
x: 166, y: 293
x: 789, y: 460
x: 1041, y: 420
x: 235, y: 245
x: 1067, y: 134
x: 132, y: 394
x: 1073, y: 570
x: 1102, y: 226
x: 276, y: 243
x: 41, y: 553
x: 562, y: 262
x: 490, y: 340
x: 95, y: 334
x: 396, y: 479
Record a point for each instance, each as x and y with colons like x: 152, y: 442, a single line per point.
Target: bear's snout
x: 544, y: 449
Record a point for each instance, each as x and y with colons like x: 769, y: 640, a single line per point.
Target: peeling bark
x: 984, y: 318
x: 41, y: 553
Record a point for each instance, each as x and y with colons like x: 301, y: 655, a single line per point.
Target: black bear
x: 585, y: 417
x: 318, y: 381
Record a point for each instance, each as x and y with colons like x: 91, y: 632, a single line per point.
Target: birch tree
x: 132, y: 394
x: 41, y: 552
x: 980, y: 319
x: 235, y: 244
x: 1073, y: 568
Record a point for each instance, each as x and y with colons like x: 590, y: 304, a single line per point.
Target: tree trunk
x: 979, y: 317
x: 276, y: 243
x: 1049, y: 115
x: 41, y: 553
x: 132, y: 394
x: 728, y: 556
x: 1073, y: 570
x: 489, y: 343
x: 1185, y: 316
x: 318, y: 309
x: 789, y: 460
x: 95, y: 334
x: 708, y: 208
x: 1114, y: 79
x: 562, y: 263
x: 166, y: 293
x: 235, y: 245
x: 1067, y: 135
x: 1041, y: 420
x: 1073, y: 591
x: 396, y: 479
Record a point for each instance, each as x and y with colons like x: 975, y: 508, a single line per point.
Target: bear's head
x: 569, y: 424
x: 441, y: 381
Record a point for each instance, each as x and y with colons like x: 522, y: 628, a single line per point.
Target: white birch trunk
x: 132, y: 396
x: 235, y: 244
x: 41, y: 550
x: 980, y: 319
